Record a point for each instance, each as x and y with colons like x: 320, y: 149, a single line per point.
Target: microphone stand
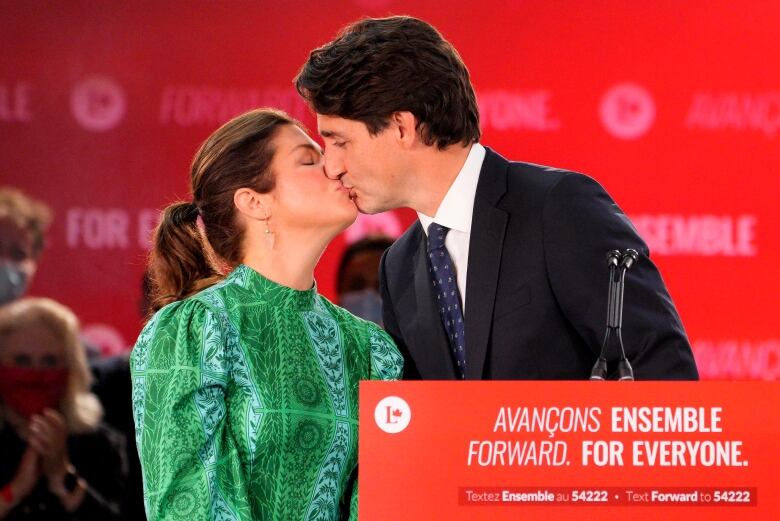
x: 618, y: 265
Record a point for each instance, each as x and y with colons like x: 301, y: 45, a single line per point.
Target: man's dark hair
x: 378, y: 66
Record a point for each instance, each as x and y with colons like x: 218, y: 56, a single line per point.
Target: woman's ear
x: 252, y: 204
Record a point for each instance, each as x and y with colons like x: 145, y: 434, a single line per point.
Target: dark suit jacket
x: 536, y: 291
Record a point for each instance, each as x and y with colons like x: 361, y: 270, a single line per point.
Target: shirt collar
x: 457, y: 207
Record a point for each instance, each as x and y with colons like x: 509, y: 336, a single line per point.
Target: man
x: 504, y: 274
x: 23, y: 225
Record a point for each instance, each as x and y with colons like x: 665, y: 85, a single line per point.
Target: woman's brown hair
x: 186, y: 258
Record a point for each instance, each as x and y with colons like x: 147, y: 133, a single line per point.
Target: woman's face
x: 32, y: 348
x: 33, y: 373
x: 304, y: 198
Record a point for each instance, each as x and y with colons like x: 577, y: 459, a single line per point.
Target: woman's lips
x: 349, y: 190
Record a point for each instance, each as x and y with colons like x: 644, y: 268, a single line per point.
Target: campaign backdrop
x: 673, y: 106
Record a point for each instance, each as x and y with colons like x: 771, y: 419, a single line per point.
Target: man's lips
x: 350, y: 190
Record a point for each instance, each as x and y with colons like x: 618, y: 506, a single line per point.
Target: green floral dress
x: 245, y: 399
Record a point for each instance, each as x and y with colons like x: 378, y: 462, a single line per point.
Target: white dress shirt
x: 455, y: 212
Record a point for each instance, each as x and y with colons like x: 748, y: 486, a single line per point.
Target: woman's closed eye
x: 311, y: 158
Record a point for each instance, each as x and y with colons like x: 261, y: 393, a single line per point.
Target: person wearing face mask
x: 357, y: 281
x: 245, y: 380
x: 59, y: 462
x: 23, y: 224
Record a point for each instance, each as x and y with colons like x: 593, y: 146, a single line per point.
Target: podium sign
x: 569, y: 450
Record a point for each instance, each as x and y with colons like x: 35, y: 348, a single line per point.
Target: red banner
x: 544, y: 450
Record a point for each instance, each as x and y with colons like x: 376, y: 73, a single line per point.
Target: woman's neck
x: 292, y: 259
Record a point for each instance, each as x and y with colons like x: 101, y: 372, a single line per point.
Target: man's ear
x: 252, y: 204
x: 404, y: 125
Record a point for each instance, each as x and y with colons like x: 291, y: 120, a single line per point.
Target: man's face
x: 16, y: 246
x: 370, y: 167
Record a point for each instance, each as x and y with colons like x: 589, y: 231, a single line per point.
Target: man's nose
x: 334, y: 169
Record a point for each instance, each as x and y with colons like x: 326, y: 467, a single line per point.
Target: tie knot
x: 436, y: 236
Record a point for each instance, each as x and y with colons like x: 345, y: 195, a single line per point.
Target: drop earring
x: 270, y: 237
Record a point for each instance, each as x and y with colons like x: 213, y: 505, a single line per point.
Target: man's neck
x: 435, y: 173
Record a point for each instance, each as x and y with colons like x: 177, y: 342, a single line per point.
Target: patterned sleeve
x: 386, y: 361
x: 190, y: 465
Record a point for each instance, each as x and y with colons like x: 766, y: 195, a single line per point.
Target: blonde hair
x: 81, y: 408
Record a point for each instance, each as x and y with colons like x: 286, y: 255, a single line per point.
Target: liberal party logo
x: 98, y: 103
x: 392, y: 414
x: 627, y: 110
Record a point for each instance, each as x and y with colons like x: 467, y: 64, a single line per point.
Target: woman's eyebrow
x: 309, y: 146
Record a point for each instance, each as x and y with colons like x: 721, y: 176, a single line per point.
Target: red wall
x: 673, y: 106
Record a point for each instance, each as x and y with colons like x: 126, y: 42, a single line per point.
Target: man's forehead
x: 327, y: 126
x: 335, y: 126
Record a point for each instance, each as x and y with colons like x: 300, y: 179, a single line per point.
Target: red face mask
x: 30, y: 391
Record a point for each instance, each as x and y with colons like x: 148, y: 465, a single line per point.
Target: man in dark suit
x: 504, y: 275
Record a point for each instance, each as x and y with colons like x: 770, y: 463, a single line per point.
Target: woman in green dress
x: 245, y: 380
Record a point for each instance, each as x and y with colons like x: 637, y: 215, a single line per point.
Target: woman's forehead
x: 31, y: 336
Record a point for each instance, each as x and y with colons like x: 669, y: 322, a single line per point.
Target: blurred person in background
x: 58, y: 461
x: 23, y: 225
x: 245, y: 380
x: 357, y: 281
x: 113, y: 388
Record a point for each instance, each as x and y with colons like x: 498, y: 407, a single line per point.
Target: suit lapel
x: 488, y: 228
x: 430, y: 350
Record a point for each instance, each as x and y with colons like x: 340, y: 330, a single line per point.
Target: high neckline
x: 277, y: 294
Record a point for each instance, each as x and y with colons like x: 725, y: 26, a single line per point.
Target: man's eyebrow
x: 330, y: 133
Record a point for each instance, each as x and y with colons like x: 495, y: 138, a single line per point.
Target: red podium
x: 569, y: 450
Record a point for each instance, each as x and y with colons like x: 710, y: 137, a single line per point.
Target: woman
x: 245, y: 386
x: 58, y: 461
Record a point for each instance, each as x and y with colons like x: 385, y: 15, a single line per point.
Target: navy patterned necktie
x: 445, y: 287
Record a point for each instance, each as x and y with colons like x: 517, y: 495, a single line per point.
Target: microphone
x: 629, y: 258
x: 625, y: 371
x: 618, y: 264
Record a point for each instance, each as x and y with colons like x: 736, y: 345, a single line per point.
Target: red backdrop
x: 673, y: 106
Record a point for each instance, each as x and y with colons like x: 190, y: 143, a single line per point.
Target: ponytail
x: 179, y: 263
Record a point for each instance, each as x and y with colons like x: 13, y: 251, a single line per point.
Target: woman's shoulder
x: 175, y: 314
x: 177, y: 331
x: 211, y: 300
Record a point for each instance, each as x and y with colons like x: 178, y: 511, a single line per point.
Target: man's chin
x: 367, y: 210
x: 368, y: 207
